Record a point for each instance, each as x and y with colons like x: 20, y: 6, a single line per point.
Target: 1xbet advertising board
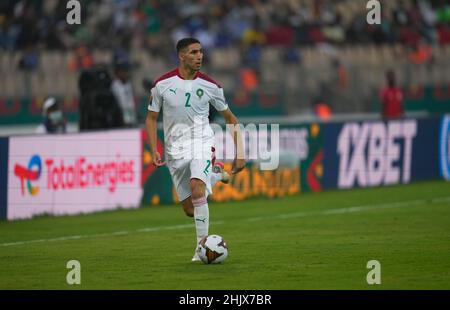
x: 70, y: 174
x: 364, y: 154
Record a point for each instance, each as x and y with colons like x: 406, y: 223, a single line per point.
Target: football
x: 212, y: 249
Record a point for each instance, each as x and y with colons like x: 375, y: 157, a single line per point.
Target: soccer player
x: 184, y: 95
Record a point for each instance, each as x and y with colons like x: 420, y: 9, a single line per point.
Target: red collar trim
x: 179, y: 75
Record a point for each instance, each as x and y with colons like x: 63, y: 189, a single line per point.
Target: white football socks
x: 201, y: 217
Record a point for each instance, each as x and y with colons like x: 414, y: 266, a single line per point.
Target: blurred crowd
x: 247, y: 24
x: 307, y: 52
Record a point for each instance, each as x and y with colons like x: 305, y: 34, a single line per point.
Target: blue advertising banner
x: 3, y: 177
x: 379, y: 153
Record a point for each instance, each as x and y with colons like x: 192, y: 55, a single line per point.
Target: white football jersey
x: 185, y: 105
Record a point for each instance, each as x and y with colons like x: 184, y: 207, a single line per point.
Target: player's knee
x: 198, y: 193
x: 198, y: 190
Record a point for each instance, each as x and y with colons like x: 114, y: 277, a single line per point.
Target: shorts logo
x: 29, y: 174
x: 205, y: 171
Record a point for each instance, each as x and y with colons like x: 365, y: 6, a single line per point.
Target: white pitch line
x: 440, y: 199
x: 120, y: 233
x: 253, y: 219
x: 115, y: 233
x: 371, y: 207
x: 350, y: 209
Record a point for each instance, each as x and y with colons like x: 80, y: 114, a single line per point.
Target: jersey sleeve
x: 218, y: 99
x: 156, y: 100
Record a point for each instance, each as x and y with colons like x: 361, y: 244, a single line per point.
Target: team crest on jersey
x: 199, y: 93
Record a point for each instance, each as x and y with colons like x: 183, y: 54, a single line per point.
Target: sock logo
x: 29, y: 174
x: 201, y: 219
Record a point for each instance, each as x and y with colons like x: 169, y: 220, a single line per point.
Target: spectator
x: 248, y: 79
x: 422, y: 53
x: 391, y: 98
x: 82, y: 59
x: 252, y: 56
x: 54, y: 121
x: 29, y: 60
x: 401, y: 17
x: 28, y: 64
x: 277, y: 23
x: 322, y: 110
x: 123, y: 91
x: 291, y: 55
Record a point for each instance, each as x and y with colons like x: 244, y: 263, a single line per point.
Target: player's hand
x: 157, y: 161
x: 238, y: 165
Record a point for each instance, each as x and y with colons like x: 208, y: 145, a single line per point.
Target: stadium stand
x: 299, y: 49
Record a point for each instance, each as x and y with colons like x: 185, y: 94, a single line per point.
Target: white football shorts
x: 183, y: 170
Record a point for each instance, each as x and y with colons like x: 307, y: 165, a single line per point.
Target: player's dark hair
x: 185, y: 42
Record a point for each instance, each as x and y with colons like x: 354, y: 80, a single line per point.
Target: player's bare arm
x: 151, y: 127
x: 239, y: 160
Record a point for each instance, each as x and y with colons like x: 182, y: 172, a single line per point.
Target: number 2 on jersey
x: 188, y: 97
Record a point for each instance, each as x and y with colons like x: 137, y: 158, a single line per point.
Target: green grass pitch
x: 309, y: 241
